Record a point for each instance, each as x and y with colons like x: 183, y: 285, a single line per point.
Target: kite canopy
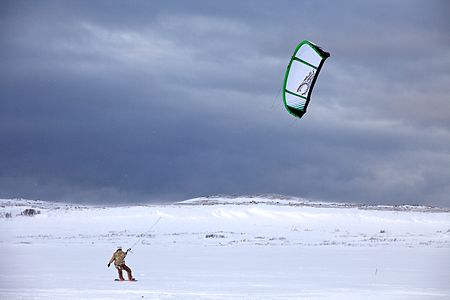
x: 301, y: 75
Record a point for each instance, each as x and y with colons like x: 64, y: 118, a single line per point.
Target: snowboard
x: 125, y: 280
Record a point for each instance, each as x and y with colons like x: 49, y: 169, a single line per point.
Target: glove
x: 109, y: 265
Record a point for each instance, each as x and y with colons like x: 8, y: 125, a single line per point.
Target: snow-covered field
x: 225, y: 248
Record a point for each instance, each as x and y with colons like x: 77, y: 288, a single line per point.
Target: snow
x: 264, y: 247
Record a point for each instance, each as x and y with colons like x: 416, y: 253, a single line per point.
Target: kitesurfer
x: 118, y: 258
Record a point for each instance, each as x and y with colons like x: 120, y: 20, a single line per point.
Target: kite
x: 301, y: 75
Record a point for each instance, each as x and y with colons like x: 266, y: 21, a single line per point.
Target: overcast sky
x: 139, y: 101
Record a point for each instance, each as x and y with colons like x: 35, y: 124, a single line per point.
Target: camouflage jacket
x: 118, y: 258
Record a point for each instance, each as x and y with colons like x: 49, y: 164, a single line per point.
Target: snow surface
x: 226, y: 248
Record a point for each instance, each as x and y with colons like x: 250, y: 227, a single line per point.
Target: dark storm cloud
x: 108, y: 101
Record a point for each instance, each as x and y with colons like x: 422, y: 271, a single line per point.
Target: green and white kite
x: 301, y: 75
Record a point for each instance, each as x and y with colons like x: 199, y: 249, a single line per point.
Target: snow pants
x: 124, y: 267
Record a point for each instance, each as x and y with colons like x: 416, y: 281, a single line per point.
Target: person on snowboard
x: 118, y: 258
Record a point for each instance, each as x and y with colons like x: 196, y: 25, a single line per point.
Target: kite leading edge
x: 301, y: 75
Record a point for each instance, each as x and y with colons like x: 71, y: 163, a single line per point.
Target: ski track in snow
x: 226, y: 248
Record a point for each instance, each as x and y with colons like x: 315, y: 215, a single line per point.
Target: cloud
x: 101, y: 102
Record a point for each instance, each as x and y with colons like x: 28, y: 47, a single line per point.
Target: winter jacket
x: 118, y: 258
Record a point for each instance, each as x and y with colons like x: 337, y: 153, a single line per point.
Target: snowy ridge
x: 10, y: 208
x: 297, y: 201
x: 268, y: 199
x: 226, y: 221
